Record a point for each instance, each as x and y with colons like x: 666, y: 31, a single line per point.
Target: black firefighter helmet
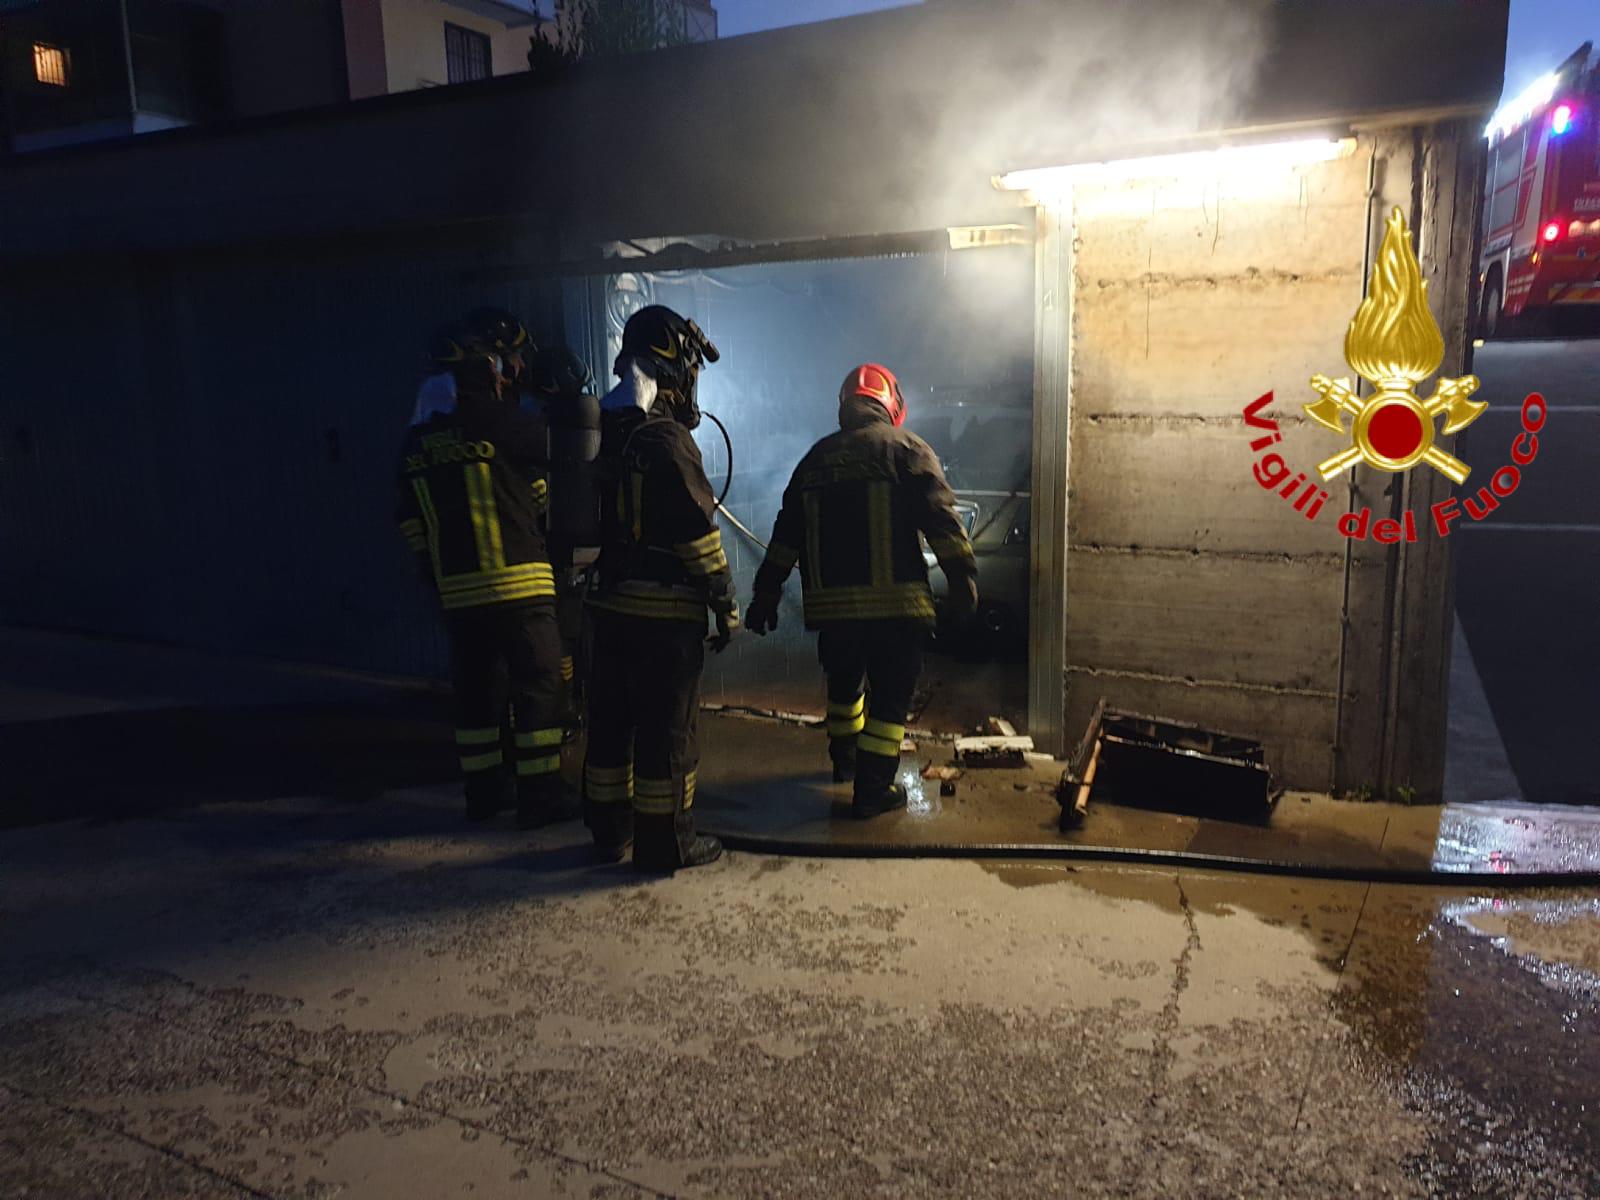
x: 671, y: 348
x: 498, y: 329
x: 444, y: 348
x: 556, y: 373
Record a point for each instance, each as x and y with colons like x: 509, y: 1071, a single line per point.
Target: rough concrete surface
x: 313, y: 999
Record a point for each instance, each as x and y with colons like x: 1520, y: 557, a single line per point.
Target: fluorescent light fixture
x: 976, y: 237
x: 1262, y: 157
x: 1523, y: 105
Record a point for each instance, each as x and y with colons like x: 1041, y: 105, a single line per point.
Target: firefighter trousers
x: 505, y: 664
x: 644, y: 708
x: 872, y: 668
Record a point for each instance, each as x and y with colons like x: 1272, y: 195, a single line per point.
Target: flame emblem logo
x: 1394, y: 343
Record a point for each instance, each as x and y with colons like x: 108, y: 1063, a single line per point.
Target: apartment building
x: 73, y: 71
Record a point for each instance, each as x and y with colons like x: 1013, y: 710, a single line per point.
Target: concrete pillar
x: 1047, y: 618
x: 1191, y: 590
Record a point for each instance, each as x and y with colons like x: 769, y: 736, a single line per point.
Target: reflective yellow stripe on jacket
x: 704, y: 556
x: 524, y: 581
x: 897, y: 601
x: 654, y: 601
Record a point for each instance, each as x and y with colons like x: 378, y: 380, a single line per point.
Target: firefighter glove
x: 727, y: 626
x: 962, y: 606
x: 763, y: 615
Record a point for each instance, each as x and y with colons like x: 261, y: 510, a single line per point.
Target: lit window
x: 50, y: 64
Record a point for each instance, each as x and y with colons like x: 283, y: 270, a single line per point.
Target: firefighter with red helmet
x: 851, y: 519
x: 470, y: 509
x: 661, y: 567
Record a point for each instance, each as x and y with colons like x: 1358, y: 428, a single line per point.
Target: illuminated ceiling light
x: 1269, y: 155
x: 1263, y: 157
x: 1522, y: 106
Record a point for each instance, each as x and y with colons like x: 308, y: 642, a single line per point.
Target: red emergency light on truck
x: 1541, y: 208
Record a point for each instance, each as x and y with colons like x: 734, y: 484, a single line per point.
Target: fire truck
x: 1541, y: 200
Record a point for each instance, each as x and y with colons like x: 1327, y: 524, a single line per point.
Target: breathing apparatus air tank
x: 572, y: 414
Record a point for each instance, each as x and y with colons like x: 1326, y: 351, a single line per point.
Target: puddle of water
x: 1513, y: 837
x: 1151, y: 886
x: 922, y: 801
x: 1556, y: 940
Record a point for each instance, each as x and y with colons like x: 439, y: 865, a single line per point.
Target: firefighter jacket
x: 661, y: 553
x: 851, y: 517
x: 472, y: 498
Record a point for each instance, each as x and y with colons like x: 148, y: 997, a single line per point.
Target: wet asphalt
x: 364, y: 998
x: 1526, y: 576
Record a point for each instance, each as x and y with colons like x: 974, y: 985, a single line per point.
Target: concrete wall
x: 1191, y: 591
x: 413, y: 41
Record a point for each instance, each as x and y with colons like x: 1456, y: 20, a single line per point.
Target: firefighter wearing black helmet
x: 853, y: 517
x: 469, y: 509
x: 507, y: 337
x: 661, y: 568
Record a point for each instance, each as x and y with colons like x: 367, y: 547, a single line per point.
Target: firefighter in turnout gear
x: 469, y: 508
x: 661, y: 568
x: 851, y: 519
x: 502, y: 334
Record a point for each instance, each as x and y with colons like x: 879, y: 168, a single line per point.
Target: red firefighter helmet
x: 876, y: 382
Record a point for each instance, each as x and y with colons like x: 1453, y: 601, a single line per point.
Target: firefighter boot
x: 488, y: 792
x: 665, y: 842
x: 843, y: 753
x: 876, y: 790
x: 543, y: 800
x: 612, y: 828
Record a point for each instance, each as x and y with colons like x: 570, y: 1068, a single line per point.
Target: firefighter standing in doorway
x: 850, y: 519
x: 661, y: 567
x: 468, y: 507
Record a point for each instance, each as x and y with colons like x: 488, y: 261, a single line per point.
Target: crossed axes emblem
x: 1394, y: 343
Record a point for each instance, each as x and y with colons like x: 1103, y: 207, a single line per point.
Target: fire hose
x: 1067, y: 852
x: 727, y: 483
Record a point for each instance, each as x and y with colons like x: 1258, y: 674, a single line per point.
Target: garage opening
x: 957, y: 327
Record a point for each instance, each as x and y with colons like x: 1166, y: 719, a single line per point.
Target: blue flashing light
x: 1561, y: 119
